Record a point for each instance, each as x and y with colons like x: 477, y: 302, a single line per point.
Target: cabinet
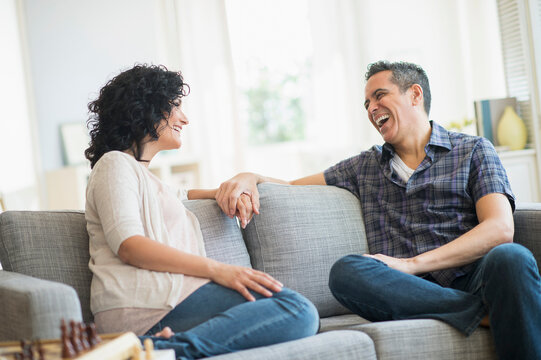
x: 521, y: 168
x: 66, y: 187
x: 184, y: 174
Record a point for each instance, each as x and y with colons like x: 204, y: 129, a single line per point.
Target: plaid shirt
x: 435, y: 206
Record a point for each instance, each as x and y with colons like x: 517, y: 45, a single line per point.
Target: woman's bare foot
x: 485, y: 322
x: 165, y: 333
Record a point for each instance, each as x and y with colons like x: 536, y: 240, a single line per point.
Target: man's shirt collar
x: 439, y: 138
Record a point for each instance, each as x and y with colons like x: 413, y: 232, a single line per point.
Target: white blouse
x: 124, y: 199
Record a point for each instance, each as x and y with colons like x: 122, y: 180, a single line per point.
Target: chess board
x: 113, y: 347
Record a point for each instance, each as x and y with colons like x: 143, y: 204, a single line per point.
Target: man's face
x: 388, y: 109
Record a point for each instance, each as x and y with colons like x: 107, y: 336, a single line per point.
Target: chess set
x: 81, y: 342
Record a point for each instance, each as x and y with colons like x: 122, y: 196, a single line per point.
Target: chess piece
x: 149, y: 349
x: 67, y: 348
x: 24, y: 349
x: 93, y: 338
x: 75, y: 338
x: 29, y: 351
x: 40, y: 349
x: 83, y: 336
x: 33, y: 349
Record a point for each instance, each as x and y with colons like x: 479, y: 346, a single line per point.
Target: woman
x: 150, y: 273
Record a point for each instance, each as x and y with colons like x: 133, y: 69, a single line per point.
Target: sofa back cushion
x: 53, y: 245
x: 300, y: 232
x: 222, y: 235
x: 528, y: 227
x: 50, y: 245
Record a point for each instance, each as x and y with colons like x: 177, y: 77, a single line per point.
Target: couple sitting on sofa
x: 438, y: 216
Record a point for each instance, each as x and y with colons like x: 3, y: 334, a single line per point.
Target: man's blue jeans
x: 505, y: 283
x: 216, y: 320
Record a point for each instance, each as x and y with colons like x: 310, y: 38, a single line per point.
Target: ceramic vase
x: 511, y: 130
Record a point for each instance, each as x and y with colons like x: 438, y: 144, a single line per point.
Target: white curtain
x: 347, y: 35
x: 197, y: 43
x: 338, y: 124
x: 18, y: 174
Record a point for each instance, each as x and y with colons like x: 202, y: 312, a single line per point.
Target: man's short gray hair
x: 404, y: 75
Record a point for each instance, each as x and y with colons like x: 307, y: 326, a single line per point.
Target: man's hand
x: 405, y: 265
x: 242, y: 279
x: 229, y: 192
x: 245, y: 210
x: 495, y: 227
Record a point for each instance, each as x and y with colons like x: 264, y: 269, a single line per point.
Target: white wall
x: 74, y: 47
x: 480, y: 36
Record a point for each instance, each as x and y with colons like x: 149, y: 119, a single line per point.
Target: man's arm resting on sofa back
x: 246, y: 183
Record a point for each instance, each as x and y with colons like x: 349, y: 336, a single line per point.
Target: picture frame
x: 488, y: 113
x: 75, y: 140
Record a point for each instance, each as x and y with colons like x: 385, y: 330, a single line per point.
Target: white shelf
x: 66, y: 187
x: 177, y: 170
x: 521, y: 168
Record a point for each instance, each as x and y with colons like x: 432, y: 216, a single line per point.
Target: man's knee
x: 349, y: 271
x: 507, y: 262
x: 510, y: 256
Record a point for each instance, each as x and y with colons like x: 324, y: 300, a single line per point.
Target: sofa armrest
x: 32, y: 308
x: 528, y: 227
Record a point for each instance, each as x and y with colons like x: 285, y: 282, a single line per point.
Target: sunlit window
x: 271, y: 50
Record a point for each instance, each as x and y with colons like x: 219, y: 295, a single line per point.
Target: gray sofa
x: 300, y: 233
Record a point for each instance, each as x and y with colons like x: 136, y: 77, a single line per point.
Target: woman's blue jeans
x: 216, y: 320
x: 505, y: 284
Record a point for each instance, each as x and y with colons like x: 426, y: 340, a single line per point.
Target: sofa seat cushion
x: 341, y: 322
x: 331, y: 345
x: 222, y: 235
x: 299, y: 234
x: 426, y: 339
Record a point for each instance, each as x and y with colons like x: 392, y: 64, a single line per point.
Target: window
x: 273, y: 86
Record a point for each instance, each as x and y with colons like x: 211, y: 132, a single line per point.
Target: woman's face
x: 170, y: 129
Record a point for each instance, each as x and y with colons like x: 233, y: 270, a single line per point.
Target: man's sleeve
x: 487, y: 174
x: 345, y: 174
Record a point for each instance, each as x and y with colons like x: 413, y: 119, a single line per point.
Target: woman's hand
x: 242, y: 279
x: 230, y: 191
x: 245, y: 210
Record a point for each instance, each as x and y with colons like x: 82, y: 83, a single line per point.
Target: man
x: 437, y: 207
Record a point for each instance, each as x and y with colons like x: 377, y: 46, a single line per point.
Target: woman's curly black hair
x: 130, y: 107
